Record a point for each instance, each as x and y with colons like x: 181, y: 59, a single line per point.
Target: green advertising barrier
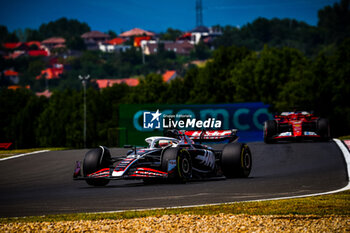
x: 140, y: 121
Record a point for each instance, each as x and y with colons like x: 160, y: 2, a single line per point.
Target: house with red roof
x: 114, y: 45
x: 53, y: 72
x: 103, y: 83
x: 136, y: 32
x: 178, y: 47
x: 10, y: 45
x: 116, y: 41
x: 131, y: 82
x: 93, y: 38
x: 15, y: 87
x: 54, y: 42
x: 201, y: 33
x: 37, y: 53
x: 34, y: 44
x: 138, y: 40
x: 11, y: 76
x: 45, y: 93
x: 14, y: 55
x: 17, y: 49
x: 169, y: 75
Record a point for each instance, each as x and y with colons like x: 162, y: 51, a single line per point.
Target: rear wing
x: 212, y: 135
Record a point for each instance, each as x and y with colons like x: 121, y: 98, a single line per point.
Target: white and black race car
x: 178, y: 156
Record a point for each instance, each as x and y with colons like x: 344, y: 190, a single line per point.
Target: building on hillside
x: 15, y: 87
x: 11, y: 76
x: 103, y: 83
x: 53, y: 72
x: 139, y: 39
x: 178, y: 47
x: 31, y: 45
x: 34, y: 45
x: 93, y: 38
x: 17, y: 49
x: 14, y: 55
x: 54, y: 43
x: 136, y: 32
x: 114, y: 45
x: 169, y: 75
x: 200, y: 33
x: 14, y: 46
x: 38, y: 53
x: 106, y: 47
x: 45, y: 93
x: 116, y: 41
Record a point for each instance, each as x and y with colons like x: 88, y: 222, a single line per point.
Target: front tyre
x: 323, y: 129
x: 95, y: 160
x: 177, y: 162
x: 236, y: 160
x: 270, y: 130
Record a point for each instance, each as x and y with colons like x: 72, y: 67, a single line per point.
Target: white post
x: 84, y: 80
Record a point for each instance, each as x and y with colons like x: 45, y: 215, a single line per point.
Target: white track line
x: 341, y: 146
x: 22, y: 155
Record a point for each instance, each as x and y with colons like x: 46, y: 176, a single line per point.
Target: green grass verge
x: 9, y: 153
x: 325, y: 205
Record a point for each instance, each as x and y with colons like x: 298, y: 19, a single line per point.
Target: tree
x: 61, y: 122
x: 332, y: 85
x: 3, y: 33
x: 275, y: 33
x: 63, y: 27
x: 76, y: 43
x: 6, y: 36
x: 177, y: 92
x: 152, y: 89
x: 33, y: 35
x: 201, y: 51
x: 271, y: 72
x: 18, y: 113
x: 335, y: 21
x: 28, y: 77
x: 108, y: 113
x: 171, y: 34
x: 112, y: 34
x: 210, y: 84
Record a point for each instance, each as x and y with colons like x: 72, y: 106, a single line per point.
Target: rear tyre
x: 95, y: 160
x: 236, y: 160
x: 177, y: 162
x: 270, y: 130
x: 323, y: 129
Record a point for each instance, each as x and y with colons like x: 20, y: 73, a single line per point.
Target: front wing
x: 291, y: 136
x: 123, y: 170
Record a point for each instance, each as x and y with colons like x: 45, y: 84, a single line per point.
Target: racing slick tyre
x: 95, y: 160
x: 177, y: 162
x: 270, y: 130
x: 323, y: 128
x: 236, y: 160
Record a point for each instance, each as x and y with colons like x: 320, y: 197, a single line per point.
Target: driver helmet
x: 164, y: 143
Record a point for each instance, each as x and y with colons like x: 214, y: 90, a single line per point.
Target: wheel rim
x: 185, y: 166
x: 246, y: 160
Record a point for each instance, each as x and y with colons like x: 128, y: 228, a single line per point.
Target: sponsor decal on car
x: 171, y: 165
x: 309, y: 133
x: 285, y: 134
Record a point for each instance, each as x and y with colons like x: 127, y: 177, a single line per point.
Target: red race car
x: 296, y: 125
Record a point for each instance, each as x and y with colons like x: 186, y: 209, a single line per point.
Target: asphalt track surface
x: 41, y: 184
